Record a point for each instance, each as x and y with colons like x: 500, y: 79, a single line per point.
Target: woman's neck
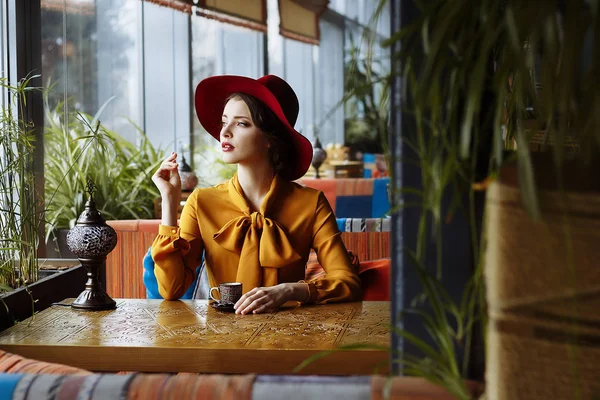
x: 255, y: 182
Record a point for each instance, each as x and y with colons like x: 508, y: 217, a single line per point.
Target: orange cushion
x: 327, y: 186
x: 375, y: 279
x: 374, y: 276
x: 14, y: 363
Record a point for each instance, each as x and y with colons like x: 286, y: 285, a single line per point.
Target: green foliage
x: 212, y: 169
x: 472, y: 74
x: 19, y: 213
x: 366, y: 100
x: 529, y: 56
x: 120, y: 170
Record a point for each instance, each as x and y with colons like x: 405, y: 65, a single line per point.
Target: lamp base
x: 94, y: 300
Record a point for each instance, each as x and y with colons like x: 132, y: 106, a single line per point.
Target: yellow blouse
x: 258, y: 249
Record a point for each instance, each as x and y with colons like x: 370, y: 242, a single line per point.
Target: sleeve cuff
x: 174, y: 238
x: 165, y: 230
x: 313, y: 293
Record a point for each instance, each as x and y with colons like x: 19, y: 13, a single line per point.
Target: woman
x: 259, y: 227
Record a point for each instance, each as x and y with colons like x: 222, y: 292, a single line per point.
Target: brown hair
x: 281, y: 148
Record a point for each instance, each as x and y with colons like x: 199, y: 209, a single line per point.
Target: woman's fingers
x: 253, y: 300
x: 263, y: 309
x: 166, y: 169
x: 244, y: 297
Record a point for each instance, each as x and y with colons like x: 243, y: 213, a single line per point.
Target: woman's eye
x: 223, y: 123
x: 242, y: 124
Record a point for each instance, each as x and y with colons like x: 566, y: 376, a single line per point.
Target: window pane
x: 360, y: 128
x: 299, y: 73
x: 330, y: 84
x: 3, y: 53
x: 166, y: 76
x: 98, y: 59
x: 352, y: 9
x: 218, y: 49
x: 275, y: 40
x: 383, y: 23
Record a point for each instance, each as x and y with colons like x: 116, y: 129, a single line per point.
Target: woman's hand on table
x: 267, y: 299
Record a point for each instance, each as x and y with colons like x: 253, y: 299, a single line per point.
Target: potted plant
x: 20, y: 218
x: 120, y: 170
x: 21, y: 292
x: 482, y: 80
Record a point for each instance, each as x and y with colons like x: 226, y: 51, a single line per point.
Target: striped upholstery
x: 226, y: 387
x: 14, y: 364
x: 128, y: 386
x: 364, y: 224
x: 369, y: 239
x: 123, y: 273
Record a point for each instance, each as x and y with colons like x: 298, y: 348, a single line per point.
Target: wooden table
x: 190, y: 336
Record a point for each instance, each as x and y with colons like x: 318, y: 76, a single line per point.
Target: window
x: 132, y: 54
x: 299, y: 73
x: 316, y: 75
x: 166, y: 76
x: 329, y: 114
x: 217, y: 49
x: 147, y: 60
x: 365, y: 60
x: 3, y: 52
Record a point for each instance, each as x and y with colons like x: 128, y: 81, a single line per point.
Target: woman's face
x: 242, y: 142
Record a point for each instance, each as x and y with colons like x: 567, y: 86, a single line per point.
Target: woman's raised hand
x: 168, y: 182
x: 167, y: 178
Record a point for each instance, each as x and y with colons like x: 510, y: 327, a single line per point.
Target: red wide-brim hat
x: 274, y: 92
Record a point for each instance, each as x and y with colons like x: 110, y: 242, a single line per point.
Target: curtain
x: 181, y: 5
x: 81, y: 7
x: 299, y: 19
x: 250, y: 14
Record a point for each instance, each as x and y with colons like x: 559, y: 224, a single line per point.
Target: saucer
x: 227, y: 307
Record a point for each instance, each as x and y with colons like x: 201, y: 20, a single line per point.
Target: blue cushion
x: 8, y: 382
x: 368, y: 158
x: 381, y: 202
x: 152, y: 285
x: 354, y: 206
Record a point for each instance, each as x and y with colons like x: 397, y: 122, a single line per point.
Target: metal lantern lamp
x: 319, y: 156
x: 189, y: 180
x: 91, y: 239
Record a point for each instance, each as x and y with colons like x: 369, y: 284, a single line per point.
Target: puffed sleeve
x: 341, y: 282
x: 177, y: 251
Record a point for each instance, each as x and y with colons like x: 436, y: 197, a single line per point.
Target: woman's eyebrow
x: 236, y: 116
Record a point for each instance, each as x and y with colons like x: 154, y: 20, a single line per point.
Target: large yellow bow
x: 263, y: 248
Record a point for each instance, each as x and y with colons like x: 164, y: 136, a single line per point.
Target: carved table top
x: 191, y: 336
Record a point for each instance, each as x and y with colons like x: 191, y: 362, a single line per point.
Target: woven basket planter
x: 543, y: 293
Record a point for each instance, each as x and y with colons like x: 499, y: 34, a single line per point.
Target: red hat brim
x: 211, y: 94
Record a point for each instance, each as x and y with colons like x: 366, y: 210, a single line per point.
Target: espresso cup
x: 229, y: 292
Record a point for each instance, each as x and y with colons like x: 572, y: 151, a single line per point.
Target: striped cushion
x: 364, y: 224
x: 191, y: 386
x: 130, y: 386
x: 13, y: 363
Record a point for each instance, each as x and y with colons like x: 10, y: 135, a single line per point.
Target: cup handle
x: 210, y: 293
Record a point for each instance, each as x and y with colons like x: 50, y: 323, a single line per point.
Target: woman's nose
x: 225, y: 131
